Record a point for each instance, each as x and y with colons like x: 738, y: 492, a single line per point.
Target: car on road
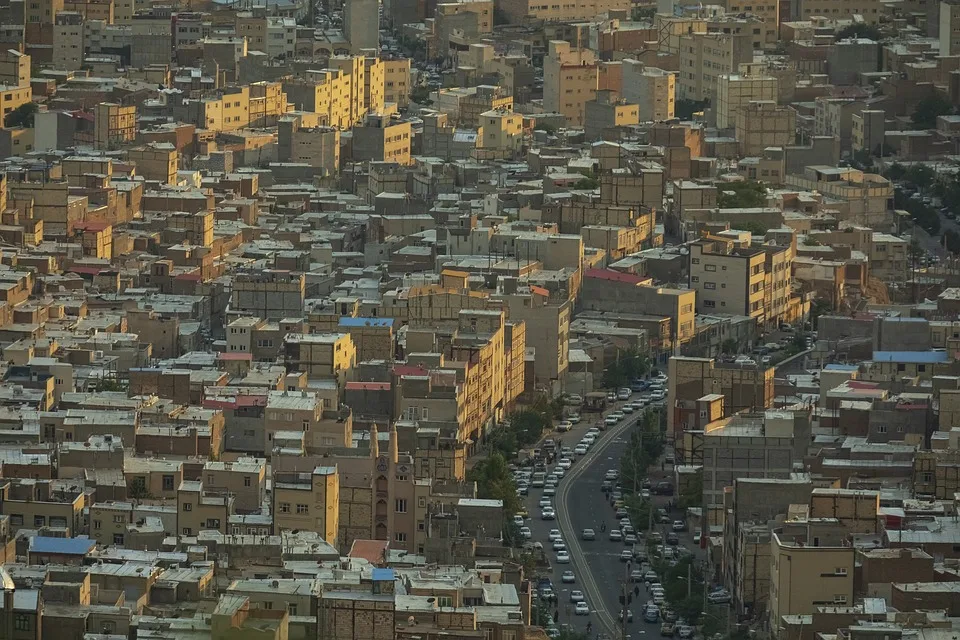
x: 580, y: 449
x: 611, y: 397
x: 624, y: 394
x: 636, y: 575
x: 523, y: 489
x: 573, y: 400
x: 526, y: 533
x: 697, y: 534
x: 582, y: 609
x: 673, y: 539
x: 645, y: 493
x: 550, y: 491
x: 628, y: 409
x: 610, y: 421
x: 657, y: 395
x: 622, y: 513
x: 606, y: 486
x: 565, y: 463
x: 651, y: 613
x: 564, y: 426
x: 685, y: 631
x: 650, y: 576
x: 627, y: 528
x: 720, y: 596
x: 545, y: 502
x: 630, y: 539
x: 679, y: 525
x: 666, y: 629
x: 616, y: 414
x: 553, y: 633
x: 568, y: 577
x: 554, y: 535
x: 518, y: 520
x: 626, y: 556
x: 669, y: 614
x: 559, y: 545
x: 574, y: 418
x: 615, y: 535
x: 547, y: 513
x: 655, y: 536
x: 577, y: 596
x: 658, y: 599
x: 563, y: 557
x: 588, y: 534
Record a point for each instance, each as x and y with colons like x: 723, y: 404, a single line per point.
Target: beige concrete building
x: 245, y: 479
x: 323, y: 355
x: 570, y: 79
x: 14, y: 68
x: 300, y: 138
x: 869, y: 10
x: 762, y: 124
x: 502, y: 132
x: 396, y: 81
x: 811, y: 566
x: 727, y: 279
x: 109, y: 521
x: 949, y: 28
x: 868, y: 128
x: 653, y: 90
x: 156, y: 161
x: 736, y: 90
x: 308, y: 502
x: 607, y: 112
x: 273, y: 294
x: 383, y: 138
x: 197, y: 511
x: 114, y: 125
x: 704, y: 57
x: 516, y: 11
x: 33, y: 504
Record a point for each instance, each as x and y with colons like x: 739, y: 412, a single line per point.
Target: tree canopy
x: 494, y: 482
x: 22, y: 116
x: 741, y: 195
x: 927, y: 110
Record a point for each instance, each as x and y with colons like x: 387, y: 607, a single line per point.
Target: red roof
x: 91, y: 226
x: 373, y: 551
x: 242, y: 400
x: 92, y: 271
x: 409, y: 370
x: 234, y: 355
x: 614, y: 276
x: 540, y: 291
x: 369, y: 386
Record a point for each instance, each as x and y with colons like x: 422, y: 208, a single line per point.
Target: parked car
x: 525, y: 533
x: 564, y: 426
x: 629, y: 615
x: 666, y: 629
x: 685, y: 631
x: 615, y: 535
x: 574, y: 418
x: 720, y: 596
x: 577, y: 596
x: 679, y: 525
x: 626, y: 556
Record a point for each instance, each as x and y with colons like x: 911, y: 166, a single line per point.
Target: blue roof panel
x: 915, y: 357
x: 68, y: 546
x: 383, y: 575
x: 366, y: 322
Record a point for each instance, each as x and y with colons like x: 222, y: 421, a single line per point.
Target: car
x: 615, y: 535
x: 545, y: 502
x: 697, y: 534
x: 553, y: 633
x: 626, y: 556
x: 669, y: 614
x: 651, y: 613
x: 657, y: 395
x: 764, y: 360
x: 554, y: 535
x: 720, y: 596
x: 573, y: 400
x: 610, y: 421
x: 565, y: 463
x: 679, y: 525
x: 666, y: 629
x: 550, y: 490
x: 523, y: 490
x: 611, y: 397
x: 565, y: 452
x: 547, y: 513
x: 628, y: 409
x: 568, y: 577
x: 673, y: 539
x: 685, y: 631
x: 564, y: 426
x: 518, y: 520
x: 588, y: 534
x: 580, y: 449
x: 588, y: 439
x: 577, y: 596
x: 658, y: 599
x: 636, y: 575
x: 645, y: 493
x: 630, y: 539
x: 526, y: 533
x: 650, y: 576
x: 655, y: 536
x: 606, y: 486
x: 628, y: 613
x: 624, y: 394
x: 617, y: 414
x: 621, y: 512
x: 563, y: 557
x: 546, y: 593
x: 574, y: 418
x: 582, y: 609
x: 611, y: 474
x: 617, y: 495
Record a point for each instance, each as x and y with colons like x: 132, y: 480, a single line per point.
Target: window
x: 284, y: 507
x: 39, y: 521
x: 187, y: 531
x: 709, y: 267
x: 118, y: 538
x: 400, y: 537
x: 168, y: 483
x: 188, y: 506
x: 119, y: 519
x: 709, y: 285
x: 444, y: 601
x: 213, y: 523
x: 246, y: 481
x: 302, y: 509
x: 709, y: 304
x: 96, y: 524
x: 292, y: 609
x: 881, y: 428
x: 16, y: 519
x: 422, y: 502
x: 401, y: 505
x: 21, y: 622
x: 841, y: 571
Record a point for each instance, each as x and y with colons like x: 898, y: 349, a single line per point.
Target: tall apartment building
x: 361, y: 24
x: 653, y: 90
x: 868, y: 129
x: 763, y: 123
x: 270, y: 294
x: 768, y: 11
x: 949, y: 27
x: 869, y: 10
x: 300, y: 138
x: 516, y: 11
x: 705, y: 56
x: 321, y: 355
x: 14, y: 68
x: 727, y: 279
x: 396, y: 81
x: 736, y: 90
x: 43, y: 11
x: 114, y: 125
x: 382, y: 138
x: 834, y: 117
x: 606, y: 112
x: 308, y: 502
x: 570, y: 79
x: 502, y: 132
x: 811, y: 566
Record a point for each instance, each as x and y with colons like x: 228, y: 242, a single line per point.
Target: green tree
x: 741, y: 195
x: 895, y: 172
x: 138, y: 489
x: 951, y: 241
x: 586, y: 183
x: 927, y: 110
x: 22, y: 116
x: 920, y: 175
x: 692, y: 494
x: 729, y: 346
x: 859, y: 30
x: 528, y: 425
x: 421, y: 95
x: 494, y: 482
x: 628, y: 367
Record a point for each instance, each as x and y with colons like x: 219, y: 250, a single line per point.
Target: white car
x: 628, y: 408
x: 563, y: 557
x: 617, y: 414
x: 568, y: 577
x: 558, y: 472
x: 545, y: 502
x: 565, y: 463
x: 574, y: 418
x: 564, y: 426
x: 547, y: 513
x: 610, y: 421
x: 582, y: 609
x: 518, y: 520
x: 559, y: 545
x: 588, y: 439
x: 658, y: 395
x: 554, y: 535
x: 580, y: 449
x: 549, y: 491
x: 526, y: 533
x: 577, y: 596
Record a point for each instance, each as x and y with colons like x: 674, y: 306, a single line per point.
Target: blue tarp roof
x: 366, y: 322
x: 69, y: 546
x: 916, y: 357
x: 383, y: 574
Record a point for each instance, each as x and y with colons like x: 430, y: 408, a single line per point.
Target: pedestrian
x: 603, y: 527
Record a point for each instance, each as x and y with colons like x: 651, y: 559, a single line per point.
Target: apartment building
x: 244, y: 479
x: 502, y: 132
x: 321, y: 355
x: 822, y: 574
x: 868, y: 129
x: 728, y: 279
x: 653, y: 90
x: 869, y: 10
x: 949, y: 28
x: 736, y: 90
x: 516, y: 11
x: 114, y: 124
x: 361, y: 24
x: 761, y: 124
x: 301, y: 139
x: 768, y: 12
x: 778, y: 284
x: 270, y: 294
x: 570, y: 79
x: 396, y: 81
x: 40, y: 504
x: 197, y: 511
x: 307, y: 502
x: 706, y: 56
x: 14, y: 68
x: 867, y: 197
x: 383, y: 137
x: 548, y: 329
